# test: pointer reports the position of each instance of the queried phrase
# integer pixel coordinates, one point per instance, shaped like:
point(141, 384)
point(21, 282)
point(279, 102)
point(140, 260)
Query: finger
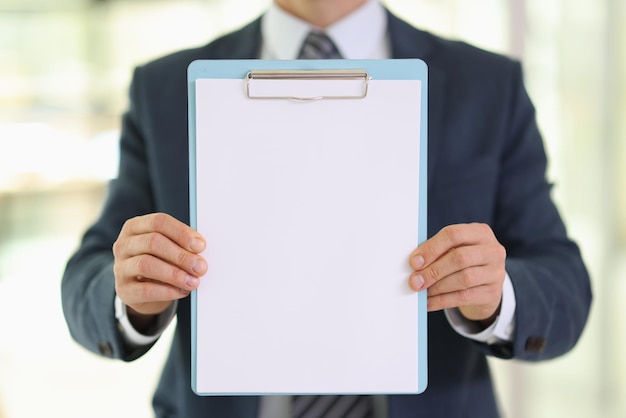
point(473, 296)
point(451, 263)
point(447, 238)
point(179, 232)
point(480, 298)
point(150, 297)
point(146, 266)
point(161, 247)
point(463, 279)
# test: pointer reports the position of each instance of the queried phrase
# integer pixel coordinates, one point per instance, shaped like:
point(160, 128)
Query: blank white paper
point(310, 212)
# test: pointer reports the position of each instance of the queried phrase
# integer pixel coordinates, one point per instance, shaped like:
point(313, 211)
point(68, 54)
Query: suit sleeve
point(551, 283)
point(88, 284)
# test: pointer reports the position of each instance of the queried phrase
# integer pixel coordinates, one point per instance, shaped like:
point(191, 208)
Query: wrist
point(131, 335)
point(487, 322)
point(482, 319)
point(140, 322)
point(501, 328)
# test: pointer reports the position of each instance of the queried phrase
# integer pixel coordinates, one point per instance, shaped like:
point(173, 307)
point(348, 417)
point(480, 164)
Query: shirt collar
point(360, 35)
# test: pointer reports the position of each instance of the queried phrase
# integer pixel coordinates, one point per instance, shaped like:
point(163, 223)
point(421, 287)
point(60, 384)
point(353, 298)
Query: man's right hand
point(157, 261)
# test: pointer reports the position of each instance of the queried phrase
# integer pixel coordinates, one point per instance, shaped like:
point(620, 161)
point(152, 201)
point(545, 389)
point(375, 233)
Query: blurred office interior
point(65, 66)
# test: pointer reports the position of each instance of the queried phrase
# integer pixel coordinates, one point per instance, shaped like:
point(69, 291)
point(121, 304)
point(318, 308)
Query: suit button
point(535, 344)
point(105, 349)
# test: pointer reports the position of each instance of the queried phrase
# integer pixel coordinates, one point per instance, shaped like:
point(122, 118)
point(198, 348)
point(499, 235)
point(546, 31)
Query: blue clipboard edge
point(395, 69)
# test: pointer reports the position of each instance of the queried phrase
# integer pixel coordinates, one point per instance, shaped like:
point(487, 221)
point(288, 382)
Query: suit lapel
point(408, 42)
point(249, 44)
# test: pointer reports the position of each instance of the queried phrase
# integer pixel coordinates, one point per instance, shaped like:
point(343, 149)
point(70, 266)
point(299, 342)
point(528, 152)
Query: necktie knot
point(318, 45)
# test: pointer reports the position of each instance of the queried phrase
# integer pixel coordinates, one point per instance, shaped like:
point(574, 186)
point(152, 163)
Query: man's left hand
point(463, 267)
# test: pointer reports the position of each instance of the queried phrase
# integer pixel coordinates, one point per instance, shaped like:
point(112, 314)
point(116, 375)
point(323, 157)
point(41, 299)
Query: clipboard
point(308, 182)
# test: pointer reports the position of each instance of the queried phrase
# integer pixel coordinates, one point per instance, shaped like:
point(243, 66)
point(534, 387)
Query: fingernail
point(418, 261)
point(197, 245)
point(417, 282)
point(192, 281)
point(199, 266)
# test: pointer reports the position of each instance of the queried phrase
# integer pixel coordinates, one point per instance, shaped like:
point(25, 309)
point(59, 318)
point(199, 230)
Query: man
point(503, 279)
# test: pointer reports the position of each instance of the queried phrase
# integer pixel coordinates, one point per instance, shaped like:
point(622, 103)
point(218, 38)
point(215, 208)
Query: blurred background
point(65, 66)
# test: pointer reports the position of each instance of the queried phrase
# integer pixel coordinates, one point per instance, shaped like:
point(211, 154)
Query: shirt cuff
point(134, 338)
point(502, 328)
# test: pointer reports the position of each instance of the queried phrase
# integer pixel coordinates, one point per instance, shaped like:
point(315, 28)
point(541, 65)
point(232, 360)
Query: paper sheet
point(310, 211)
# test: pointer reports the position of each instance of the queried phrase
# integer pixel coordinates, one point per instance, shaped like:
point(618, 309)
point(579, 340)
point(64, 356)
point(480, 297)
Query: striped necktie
point(318, 45)
point(332, 406)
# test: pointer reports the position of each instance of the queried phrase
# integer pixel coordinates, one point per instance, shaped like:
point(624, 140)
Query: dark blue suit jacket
point(486, 164)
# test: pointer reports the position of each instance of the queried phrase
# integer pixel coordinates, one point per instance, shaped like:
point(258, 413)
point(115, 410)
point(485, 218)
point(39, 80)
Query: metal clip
point(356, 88)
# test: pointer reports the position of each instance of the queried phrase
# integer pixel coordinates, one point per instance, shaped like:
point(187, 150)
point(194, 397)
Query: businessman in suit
point(503, 278)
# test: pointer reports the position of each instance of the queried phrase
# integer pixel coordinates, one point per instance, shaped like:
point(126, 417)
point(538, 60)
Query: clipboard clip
point(301, 84)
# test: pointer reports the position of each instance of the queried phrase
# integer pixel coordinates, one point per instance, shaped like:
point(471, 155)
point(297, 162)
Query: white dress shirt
point(361, 35)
